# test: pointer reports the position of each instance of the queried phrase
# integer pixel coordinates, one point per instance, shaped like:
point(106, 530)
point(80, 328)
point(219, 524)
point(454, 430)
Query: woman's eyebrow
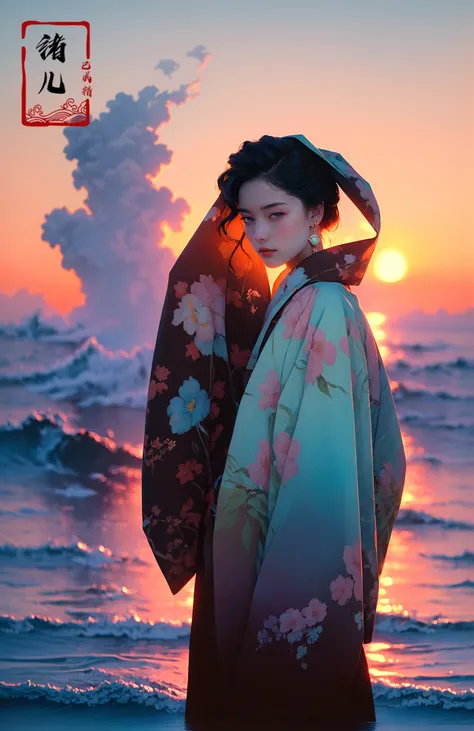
point(262, 208)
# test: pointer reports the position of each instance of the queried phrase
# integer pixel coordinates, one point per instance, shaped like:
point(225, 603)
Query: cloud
point(199, 53)
point(14, 308)
point(113, 244)
point(168, 66)
point(442, 319)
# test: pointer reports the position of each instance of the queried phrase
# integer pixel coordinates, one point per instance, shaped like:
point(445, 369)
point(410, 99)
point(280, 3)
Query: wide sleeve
point(210, 321)
point(389, 453)
point(176, 476)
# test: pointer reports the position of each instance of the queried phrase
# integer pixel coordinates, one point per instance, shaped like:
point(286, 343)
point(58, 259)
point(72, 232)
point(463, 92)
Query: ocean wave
point(131, 627)
point(408, 516)
point(91, 375)
point(405, 393)
point(53, 553)
point(75, 491)
point(468, 584)
point(399, 623)
point(409, 694)
point(24, 512)
point(418, 347)
point(135, 628)
point(36, 327)
point(163, 697)
point(444, 503)
point(94, 594)
point(95, 375)
point(45, 439)
point(465, 557)
point(429, 458)
point(428, 422)
point(458, 364)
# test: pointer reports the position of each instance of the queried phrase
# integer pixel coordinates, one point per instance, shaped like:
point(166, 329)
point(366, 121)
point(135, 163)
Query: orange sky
point(403, 120)
point(428, 285)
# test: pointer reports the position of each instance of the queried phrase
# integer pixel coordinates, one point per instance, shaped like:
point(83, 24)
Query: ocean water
point(89, 631)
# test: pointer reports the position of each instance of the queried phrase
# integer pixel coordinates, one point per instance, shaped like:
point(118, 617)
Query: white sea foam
point(47, 439)
point(55, 553)
point(92, 374)
point(163, 697)
point(132, 627)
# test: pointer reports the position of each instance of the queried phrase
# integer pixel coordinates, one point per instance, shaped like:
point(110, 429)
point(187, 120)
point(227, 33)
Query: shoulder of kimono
point(334, 295)
point(333, 300)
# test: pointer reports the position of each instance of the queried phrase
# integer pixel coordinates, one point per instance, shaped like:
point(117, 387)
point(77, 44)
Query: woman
point(273, 460)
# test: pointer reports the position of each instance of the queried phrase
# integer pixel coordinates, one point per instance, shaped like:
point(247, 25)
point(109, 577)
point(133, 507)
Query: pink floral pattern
point(320, 351)
point(352, 331)
point(341, 589)
point(300, 628)
point(286, 453)
point(201, 311)
point(344, 587)
point(259, 471)
point(344, 344)
point(270, 388)
point(297, 313)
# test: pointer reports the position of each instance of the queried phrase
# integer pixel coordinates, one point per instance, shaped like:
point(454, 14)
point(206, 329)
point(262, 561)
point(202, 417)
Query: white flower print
point(201, 312)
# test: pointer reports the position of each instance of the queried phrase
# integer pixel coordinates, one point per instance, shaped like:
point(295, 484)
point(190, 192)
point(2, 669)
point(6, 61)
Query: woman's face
point(285, 227)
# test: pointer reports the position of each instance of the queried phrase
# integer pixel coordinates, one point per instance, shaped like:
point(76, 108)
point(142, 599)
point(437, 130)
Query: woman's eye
point(275, 213)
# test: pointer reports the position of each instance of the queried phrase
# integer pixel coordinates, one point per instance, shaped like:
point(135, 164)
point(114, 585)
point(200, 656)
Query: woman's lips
point(267, 252)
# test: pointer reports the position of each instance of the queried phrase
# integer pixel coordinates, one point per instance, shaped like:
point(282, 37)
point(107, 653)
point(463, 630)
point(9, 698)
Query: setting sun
point(390, 265)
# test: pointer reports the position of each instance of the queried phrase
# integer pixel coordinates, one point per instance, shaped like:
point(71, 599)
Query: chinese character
point(48, 47)
point(61, 89)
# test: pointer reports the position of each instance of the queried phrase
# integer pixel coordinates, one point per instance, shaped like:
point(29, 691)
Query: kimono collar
point(345, 263)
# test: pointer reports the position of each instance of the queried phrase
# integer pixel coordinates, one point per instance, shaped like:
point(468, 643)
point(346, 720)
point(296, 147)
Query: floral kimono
point(278, 487)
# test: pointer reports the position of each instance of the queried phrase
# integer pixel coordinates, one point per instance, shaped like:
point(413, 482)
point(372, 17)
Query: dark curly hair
point(286, 163)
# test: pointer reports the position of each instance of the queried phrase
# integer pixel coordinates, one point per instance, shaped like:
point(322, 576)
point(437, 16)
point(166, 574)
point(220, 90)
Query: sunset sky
point(388, 85)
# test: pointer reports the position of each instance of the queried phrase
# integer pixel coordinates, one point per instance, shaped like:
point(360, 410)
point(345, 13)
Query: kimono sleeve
point(389, 454)
point(176, 478)
point(210, 320)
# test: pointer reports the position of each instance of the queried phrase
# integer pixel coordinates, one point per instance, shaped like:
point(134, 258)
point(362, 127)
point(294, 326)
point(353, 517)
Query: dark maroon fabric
point(179, 470)
point(215, 698)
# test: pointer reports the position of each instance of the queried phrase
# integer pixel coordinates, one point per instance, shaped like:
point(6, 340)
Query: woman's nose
point(260, 234)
